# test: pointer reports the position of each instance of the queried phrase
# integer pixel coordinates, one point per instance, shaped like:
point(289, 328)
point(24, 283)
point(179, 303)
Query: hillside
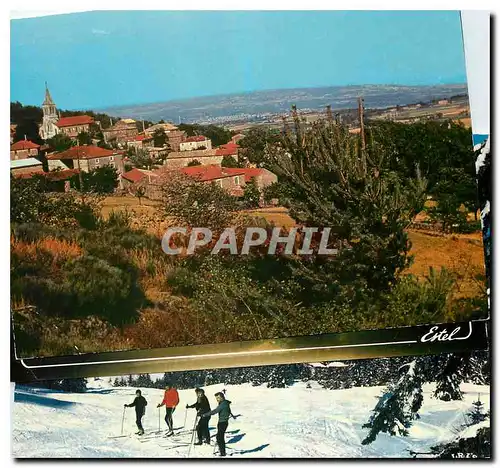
point(296, 422)
point(259, 103)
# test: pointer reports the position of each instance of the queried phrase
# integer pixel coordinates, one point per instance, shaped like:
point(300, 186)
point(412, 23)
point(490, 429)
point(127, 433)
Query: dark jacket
point(140, 404)
point(224, 411)
point(202, 405)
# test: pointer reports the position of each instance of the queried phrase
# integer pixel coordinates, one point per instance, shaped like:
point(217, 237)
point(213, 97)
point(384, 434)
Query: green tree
point(229, 161)
point(251, 194)
point(159, 138)
point(194, 162)
point(193, 204)
point(142, 159)
point(331, 182)
point(84, 138)
point(60, 142)
point(398, 406)
point(139, 191)
point(27, 119)
point(101, 180)
point(256, 145)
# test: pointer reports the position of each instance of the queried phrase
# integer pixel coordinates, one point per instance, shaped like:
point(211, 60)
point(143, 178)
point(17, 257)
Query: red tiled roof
point(228, 149)
point(196, 138)
point(230, 145)
point(134, 175)
point(84, 152)
point(23, 145)
point(75, 120)
point(249, 172)
point(209, 172)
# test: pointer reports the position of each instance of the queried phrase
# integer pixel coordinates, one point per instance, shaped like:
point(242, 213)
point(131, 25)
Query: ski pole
point(192, 437)
point(123, 418)
point(159, 430)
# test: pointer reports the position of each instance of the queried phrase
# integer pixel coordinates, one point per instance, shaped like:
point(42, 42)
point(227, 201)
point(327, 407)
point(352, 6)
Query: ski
point(174, 446)
point(178, 433)
point(143, 440)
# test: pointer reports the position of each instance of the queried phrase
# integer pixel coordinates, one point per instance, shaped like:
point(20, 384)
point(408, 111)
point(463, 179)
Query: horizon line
point(117, 106)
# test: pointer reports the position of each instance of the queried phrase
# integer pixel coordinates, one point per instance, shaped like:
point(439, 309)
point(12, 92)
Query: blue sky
point(99, 59)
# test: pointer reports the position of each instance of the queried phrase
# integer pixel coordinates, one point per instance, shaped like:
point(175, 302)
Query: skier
point(140, 404)
point(170, 400)
point(202, 406)
point(224, 411)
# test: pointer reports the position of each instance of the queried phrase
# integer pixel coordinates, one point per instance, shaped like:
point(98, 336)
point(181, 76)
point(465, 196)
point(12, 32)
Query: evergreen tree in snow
point(281, 377)
point(77, 385)
point(143, 380)
point(477, 369)
point(477, 415)
point(448, 381)
point(398, 406)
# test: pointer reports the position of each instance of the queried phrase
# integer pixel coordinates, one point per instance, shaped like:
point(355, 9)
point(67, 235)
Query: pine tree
point(251, 194)
point(448, 381)
point(477, 415)
point(398, 406)
point(279, 377)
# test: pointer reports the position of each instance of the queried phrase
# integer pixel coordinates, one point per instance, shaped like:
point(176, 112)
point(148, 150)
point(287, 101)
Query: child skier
point(224, 411)
point(202, 406)
point(140, 404)
point(170, 400)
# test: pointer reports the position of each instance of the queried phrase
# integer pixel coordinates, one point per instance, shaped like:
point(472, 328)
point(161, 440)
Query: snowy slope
point(290, 422)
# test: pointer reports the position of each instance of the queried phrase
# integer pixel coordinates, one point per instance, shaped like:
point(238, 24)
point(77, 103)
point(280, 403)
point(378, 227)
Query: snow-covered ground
point(291, 422)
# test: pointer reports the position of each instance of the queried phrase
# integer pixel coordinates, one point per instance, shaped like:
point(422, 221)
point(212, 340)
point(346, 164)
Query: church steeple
point(48, 128)
point(48, 98)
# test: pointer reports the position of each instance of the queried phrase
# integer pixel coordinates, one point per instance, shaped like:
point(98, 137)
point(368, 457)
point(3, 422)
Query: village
point(161, 148)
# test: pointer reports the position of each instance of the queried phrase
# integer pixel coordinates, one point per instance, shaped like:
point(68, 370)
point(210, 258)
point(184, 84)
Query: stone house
point(203, 174)
point(86, 158)
point(73, 126)
point(195, 142)
point(177, 159)
point(229, 149)
point(23, 149)
point(262, 176)
point(121, 132)
point(25, 167)
point(140, 141)
point(174, 136)
point(135, 176)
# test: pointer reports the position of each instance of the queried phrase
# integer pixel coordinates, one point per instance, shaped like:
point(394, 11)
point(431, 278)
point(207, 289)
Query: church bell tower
point(48, 128)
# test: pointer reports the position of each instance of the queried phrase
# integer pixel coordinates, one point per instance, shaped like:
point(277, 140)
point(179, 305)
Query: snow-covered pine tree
point(477, 415)
point(449, 379)
point(280, 377)
point(398, 406)
point(477, 369)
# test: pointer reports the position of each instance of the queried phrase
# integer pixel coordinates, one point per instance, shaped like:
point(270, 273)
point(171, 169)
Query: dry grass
point(60, 250)
point(462, 255)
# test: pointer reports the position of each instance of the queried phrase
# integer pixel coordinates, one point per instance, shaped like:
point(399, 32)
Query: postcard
point(216, 181)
